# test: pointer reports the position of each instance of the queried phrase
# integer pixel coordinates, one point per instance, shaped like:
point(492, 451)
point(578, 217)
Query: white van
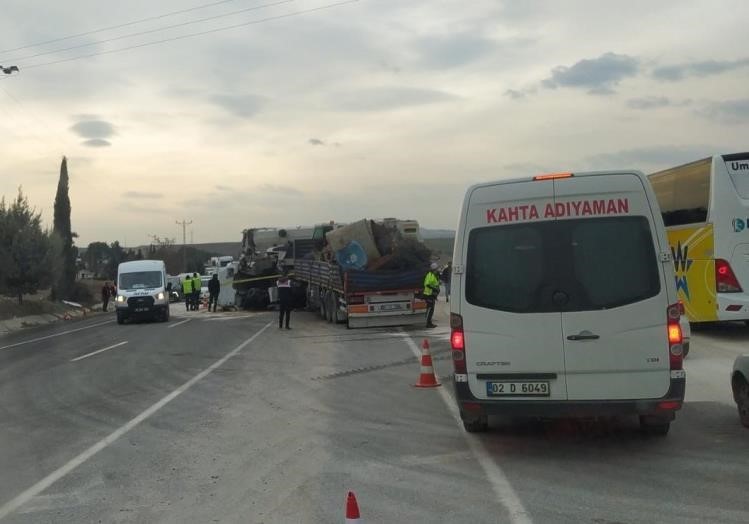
point(565, 302)
point(141, 290)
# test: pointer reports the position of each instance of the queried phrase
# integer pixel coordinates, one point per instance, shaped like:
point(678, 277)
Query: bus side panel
point(692, 248)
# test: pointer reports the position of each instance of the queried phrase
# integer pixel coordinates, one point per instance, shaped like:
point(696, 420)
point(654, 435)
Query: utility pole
point(184, 225)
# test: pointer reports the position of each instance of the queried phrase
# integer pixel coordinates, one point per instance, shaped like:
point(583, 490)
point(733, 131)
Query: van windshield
point(140, 280)
point(564, 265)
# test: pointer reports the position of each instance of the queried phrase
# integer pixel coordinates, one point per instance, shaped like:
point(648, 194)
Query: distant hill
point(214, 248)
point(427, 233)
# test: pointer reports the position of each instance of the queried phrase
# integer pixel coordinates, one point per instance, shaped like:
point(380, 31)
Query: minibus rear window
point(562, 265)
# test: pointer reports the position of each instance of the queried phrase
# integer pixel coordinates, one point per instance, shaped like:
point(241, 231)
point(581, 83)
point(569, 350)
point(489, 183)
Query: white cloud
point(427, 98)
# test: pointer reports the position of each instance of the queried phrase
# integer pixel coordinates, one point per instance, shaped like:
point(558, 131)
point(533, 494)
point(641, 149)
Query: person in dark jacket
point(284, 300)
point(446, 278)
point(214, 288)
point(105, 294)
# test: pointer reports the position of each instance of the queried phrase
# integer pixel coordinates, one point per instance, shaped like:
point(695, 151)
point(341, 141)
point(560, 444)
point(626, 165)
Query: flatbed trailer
point(362, 298)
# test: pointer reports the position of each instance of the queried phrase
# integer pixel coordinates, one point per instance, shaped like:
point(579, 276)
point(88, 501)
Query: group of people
point(432, 288)
point(108, 290)
point(191, 287)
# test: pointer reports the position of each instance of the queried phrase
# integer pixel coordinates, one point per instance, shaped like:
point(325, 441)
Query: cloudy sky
point(373, 108)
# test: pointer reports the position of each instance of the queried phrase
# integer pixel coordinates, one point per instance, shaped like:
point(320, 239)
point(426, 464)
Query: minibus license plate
point(518, 389)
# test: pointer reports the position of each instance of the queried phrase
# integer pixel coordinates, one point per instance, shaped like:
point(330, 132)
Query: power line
point(118, 26)
point(190, 35)
point(156, 30)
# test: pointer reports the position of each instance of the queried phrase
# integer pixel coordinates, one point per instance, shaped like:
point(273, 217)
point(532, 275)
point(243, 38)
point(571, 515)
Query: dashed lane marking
point(76, 359)
point(22, 498)
point(54, 335)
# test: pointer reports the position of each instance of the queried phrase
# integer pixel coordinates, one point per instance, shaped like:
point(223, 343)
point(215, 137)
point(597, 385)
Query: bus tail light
point(458, 343)
point(675, 337)
point(725, 279)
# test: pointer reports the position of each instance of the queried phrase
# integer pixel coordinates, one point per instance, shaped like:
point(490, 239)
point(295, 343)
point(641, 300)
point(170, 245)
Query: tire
point(120, 318)
point(165, 315)
point(741, 394)
point(476, 425)
point(654, 427)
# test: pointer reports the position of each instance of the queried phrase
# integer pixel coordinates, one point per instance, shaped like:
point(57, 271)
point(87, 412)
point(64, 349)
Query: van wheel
point(476, 425)
point(165, 315)
point(654, 427)
point(741, 394)
point(120, 318)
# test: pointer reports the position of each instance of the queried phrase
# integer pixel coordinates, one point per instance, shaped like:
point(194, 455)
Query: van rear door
point(614, 318)
point(513, 333)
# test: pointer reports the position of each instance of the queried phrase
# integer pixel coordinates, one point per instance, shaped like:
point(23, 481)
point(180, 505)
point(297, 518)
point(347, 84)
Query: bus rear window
point(683, 192)
point(564, 265)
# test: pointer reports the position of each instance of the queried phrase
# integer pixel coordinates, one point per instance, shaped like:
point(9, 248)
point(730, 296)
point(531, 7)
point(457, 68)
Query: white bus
point(705, 207)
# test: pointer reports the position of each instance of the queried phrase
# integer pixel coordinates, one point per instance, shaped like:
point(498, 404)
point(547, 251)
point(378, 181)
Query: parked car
point(740, 387)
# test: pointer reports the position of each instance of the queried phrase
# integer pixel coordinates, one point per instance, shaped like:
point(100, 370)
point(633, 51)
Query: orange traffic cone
point(427, 378)
point(352, 509)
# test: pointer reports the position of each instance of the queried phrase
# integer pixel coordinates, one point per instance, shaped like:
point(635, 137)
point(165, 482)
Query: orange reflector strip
point(552, 176)
point(358, 308)
point(669, 405)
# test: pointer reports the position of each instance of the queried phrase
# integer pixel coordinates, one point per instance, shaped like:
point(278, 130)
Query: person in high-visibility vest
point(187, 291)
point(431, 290)
point(196, 285)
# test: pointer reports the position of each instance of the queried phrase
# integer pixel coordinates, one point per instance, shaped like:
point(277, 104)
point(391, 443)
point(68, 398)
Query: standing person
point(431, 291)
point(196, 285)
point(187, 291)
point(105, 294)
point(113, 290)
point(284, 300)
point(446, 278)
point(214, 288)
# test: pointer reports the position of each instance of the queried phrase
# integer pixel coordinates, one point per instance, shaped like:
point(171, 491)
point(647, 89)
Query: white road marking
point(55, 335)
point(76, 359)
point(24, 497)
point(170, 326)
point(501, 485)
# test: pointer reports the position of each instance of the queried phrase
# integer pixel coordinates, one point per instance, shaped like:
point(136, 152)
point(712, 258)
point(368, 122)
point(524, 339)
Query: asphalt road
point(224, 418)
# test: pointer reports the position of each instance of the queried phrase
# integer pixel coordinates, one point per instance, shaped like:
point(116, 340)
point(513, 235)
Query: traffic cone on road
point(427, 378)
point(352, 509)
